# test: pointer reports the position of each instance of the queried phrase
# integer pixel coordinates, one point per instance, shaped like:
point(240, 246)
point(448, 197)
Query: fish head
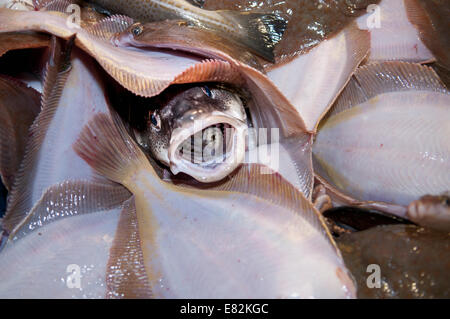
point(126, 38)
point(431, 211)
point(138, 32)
point(200, 131)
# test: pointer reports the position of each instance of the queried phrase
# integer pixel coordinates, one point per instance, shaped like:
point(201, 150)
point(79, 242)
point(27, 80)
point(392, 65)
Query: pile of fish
point(214, 149)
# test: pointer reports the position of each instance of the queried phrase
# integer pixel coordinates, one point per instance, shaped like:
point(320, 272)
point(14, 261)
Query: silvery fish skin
point(384, 143)
point(73, 92)
point(199, 131)
point(37, 265)
point(149, 72)
point(244, 238)
point(259, 32)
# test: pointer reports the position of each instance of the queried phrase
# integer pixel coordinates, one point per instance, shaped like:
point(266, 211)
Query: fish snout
point(209, 147)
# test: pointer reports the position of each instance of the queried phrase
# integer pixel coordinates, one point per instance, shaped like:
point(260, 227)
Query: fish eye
point(155, 121)
point(207, 91)
point(137, 30)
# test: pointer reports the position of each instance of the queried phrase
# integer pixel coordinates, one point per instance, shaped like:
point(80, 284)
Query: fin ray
point(19, 202)
point(126, 276)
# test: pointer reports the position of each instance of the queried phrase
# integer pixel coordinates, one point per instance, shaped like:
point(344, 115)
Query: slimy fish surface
point(380, 141)
point(182, 36)
point(309, 21)
point(246, 238)
point(259, 32)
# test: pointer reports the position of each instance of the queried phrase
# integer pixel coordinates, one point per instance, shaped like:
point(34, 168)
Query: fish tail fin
point(263, 31)
point(106, 146)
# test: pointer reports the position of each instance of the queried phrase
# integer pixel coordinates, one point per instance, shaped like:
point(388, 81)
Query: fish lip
point(235, 155)
point(123, 39)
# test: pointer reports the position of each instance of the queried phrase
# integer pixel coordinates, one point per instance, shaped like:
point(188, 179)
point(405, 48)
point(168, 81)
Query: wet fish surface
point(430, 17)
point(258, 32)
point(362, 140)
point(235, 226)
point(185, 37)
point(309, 21)
point(393, 35)
point(413, 261)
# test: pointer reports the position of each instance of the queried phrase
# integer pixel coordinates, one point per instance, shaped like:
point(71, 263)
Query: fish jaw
point(209, 170)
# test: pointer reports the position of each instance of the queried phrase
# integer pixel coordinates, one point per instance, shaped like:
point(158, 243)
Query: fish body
point(258, 32)
point(185, 37)
point(40, 264)
point(72, 93)
point(393, 35)
point(149, 72)
point(413, 261)
point(430, 17)
point(431, 211)
point(245, 239)
point(312, 81)
point(200, 131)
point(386, 140)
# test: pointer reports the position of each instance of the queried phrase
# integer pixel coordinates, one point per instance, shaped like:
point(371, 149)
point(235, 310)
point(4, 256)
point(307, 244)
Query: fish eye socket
point(207, 91)
point(137, 30)
point(155, 121)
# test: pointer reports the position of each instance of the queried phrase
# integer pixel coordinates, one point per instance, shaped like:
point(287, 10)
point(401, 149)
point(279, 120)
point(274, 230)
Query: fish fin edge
point(263, 31)
point(126, 276)
point(106, 146)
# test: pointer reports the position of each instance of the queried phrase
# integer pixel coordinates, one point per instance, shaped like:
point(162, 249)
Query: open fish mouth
point(208, 149)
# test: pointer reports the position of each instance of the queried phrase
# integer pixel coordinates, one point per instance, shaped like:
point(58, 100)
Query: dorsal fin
point(378, 78)
point(107, 27)
point(126, 276)
point(56, 73)
point(70, 198)
point(56, 5)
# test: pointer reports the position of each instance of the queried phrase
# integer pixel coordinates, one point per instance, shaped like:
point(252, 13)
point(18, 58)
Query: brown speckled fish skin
point(182, 36)
point(259, 32)
point(431, 18)
point(414, 261)
point(309, 21)
point(22, 40)
point(19, 105)
point(444, 74)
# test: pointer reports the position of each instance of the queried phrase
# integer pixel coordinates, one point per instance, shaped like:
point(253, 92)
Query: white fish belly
point(82, 98)
point(209, 247)
point(36, 266)
point(393, 148)
point(393, 37)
